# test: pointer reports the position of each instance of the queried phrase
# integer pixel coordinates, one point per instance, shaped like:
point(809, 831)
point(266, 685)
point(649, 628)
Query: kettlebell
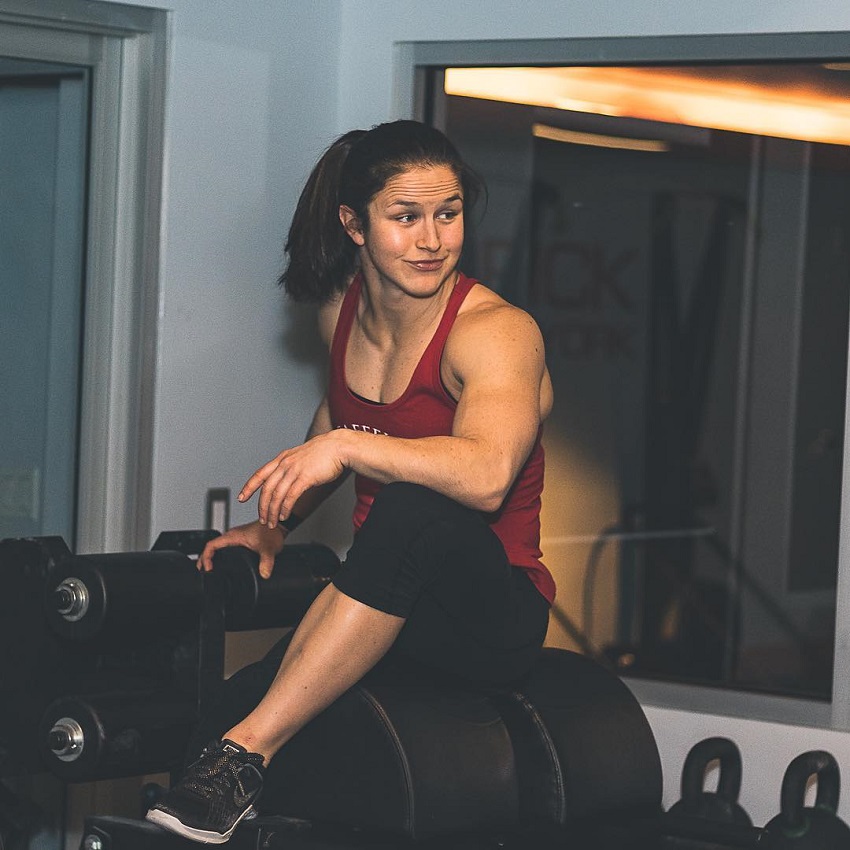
point(721, 805)
point(799, 827)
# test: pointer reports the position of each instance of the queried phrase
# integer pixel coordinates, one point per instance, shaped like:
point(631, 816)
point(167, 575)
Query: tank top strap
point(347, 312)
point(456, 299)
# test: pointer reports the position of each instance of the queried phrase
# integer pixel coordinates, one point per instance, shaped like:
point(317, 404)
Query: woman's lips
point(426, 265)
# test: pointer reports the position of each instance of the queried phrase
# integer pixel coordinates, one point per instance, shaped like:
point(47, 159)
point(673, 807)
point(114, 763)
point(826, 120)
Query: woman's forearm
point(470, 471)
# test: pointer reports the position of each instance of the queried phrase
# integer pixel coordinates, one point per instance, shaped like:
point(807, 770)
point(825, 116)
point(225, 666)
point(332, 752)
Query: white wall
point(372, 29)
point(251, 100)
point(256, 90)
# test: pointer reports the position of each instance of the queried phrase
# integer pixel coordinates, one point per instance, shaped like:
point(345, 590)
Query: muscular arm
point(498, 361)
point(495, 356)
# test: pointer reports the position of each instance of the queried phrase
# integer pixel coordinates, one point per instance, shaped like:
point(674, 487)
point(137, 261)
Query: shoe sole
point(204, 836)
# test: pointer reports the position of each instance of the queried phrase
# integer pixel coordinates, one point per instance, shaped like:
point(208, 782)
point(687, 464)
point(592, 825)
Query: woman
point(436, 396)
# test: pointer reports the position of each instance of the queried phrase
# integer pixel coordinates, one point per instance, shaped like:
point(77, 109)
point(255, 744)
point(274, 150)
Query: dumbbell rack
point(137, 644)
point(109, 660)
point(121, 664)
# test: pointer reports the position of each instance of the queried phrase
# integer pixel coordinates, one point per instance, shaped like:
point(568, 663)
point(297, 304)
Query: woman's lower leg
point(335, 645)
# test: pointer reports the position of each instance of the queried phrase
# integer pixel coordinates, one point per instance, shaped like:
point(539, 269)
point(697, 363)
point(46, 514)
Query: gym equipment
point(701, 834)
point(20, 819)
point(416, 756)
point(190, 542)
point(35, 665)
point(117, 734)
point(720, 805)
point(123, 596)
point(114, 596)
point(800, 827)
point(406, 757)
point(140, 637)
point(252, 602)
point(143, 640)
point(279, 833)
point(583, 746)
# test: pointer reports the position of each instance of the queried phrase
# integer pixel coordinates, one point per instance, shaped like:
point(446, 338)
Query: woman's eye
point(406, 218)
point(448, 215)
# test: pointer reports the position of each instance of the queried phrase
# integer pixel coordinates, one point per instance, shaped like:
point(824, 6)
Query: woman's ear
point(351, 224)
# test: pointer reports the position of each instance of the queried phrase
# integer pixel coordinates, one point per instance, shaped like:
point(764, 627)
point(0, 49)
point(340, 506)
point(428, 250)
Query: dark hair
point(320, 254)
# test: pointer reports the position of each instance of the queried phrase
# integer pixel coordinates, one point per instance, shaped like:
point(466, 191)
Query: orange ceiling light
point(673, 96)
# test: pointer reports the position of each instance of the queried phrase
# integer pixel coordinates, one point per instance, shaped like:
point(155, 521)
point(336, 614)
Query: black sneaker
point(216, 793)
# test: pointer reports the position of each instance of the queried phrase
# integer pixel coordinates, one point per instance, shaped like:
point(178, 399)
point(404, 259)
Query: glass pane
point(43, 127)
point(692, 282)
point(43, 142)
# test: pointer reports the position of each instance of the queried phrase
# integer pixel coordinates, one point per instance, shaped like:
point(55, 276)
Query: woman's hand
point(283, 480)
point(266, 542)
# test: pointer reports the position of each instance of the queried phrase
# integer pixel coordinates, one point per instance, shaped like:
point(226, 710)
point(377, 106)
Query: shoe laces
point(215, 770)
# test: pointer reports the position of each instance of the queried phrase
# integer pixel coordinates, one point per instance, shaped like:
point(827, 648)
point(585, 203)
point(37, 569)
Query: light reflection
point(598, 140)
point(666, 95)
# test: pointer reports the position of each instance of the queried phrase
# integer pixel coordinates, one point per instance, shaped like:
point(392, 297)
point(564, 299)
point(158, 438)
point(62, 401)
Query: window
point(84, 468)
point(676, 219)
point(44, 119)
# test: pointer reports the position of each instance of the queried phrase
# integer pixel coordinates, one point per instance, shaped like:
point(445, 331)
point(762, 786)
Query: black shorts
point(469, 613)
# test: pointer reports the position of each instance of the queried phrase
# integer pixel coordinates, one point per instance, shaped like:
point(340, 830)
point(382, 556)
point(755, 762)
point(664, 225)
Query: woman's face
point(414, 234)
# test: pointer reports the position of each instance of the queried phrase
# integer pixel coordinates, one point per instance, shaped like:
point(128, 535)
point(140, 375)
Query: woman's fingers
point(258, 479)
point(282, 507)
point(282, 495)
point(268, 493)
point(283, 480)
point(253, 536)
point(266, 565)
point(205, 559)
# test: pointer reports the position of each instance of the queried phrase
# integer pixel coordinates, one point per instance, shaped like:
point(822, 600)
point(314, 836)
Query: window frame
point(125, 50)
point(415, 64)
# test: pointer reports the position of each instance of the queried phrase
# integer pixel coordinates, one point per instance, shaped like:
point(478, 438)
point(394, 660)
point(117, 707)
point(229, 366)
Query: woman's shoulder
point(488, 325)
point(483, 307)
point(491, 334)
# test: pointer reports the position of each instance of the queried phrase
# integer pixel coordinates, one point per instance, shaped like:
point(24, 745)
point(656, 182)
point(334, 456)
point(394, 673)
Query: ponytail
point(321, 255)
point(352, 171)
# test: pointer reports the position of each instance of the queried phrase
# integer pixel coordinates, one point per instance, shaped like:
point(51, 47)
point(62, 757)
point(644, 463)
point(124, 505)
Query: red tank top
point(425, 409)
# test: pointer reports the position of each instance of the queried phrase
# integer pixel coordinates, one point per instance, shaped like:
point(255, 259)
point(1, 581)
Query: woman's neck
point(389, 312)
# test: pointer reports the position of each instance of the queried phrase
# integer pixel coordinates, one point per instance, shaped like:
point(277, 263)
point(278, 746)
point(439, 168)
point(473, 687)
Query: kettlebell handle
point(824, 766)
point(698, 759)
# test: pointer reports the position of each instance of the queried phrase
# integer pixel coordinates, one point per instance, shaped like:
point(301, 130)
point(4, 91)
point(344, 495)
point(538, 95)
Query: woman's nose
point(428, 238)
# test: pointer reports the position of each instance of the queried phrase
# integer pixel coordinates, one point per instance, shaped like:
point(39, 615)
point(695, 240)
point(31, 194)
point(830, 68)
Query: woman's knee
point(402, 499)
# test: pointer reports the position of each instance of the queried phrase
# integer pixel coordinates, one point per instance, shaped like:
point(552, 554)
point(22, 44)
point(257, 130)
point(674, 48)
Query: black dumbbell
point(302, 571)
point(112, 735)
point(126, 595)
point(800, 827)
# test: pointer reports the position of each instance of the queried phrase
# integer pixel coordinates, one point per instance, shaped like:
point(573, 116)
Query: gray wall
point(256, 90)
